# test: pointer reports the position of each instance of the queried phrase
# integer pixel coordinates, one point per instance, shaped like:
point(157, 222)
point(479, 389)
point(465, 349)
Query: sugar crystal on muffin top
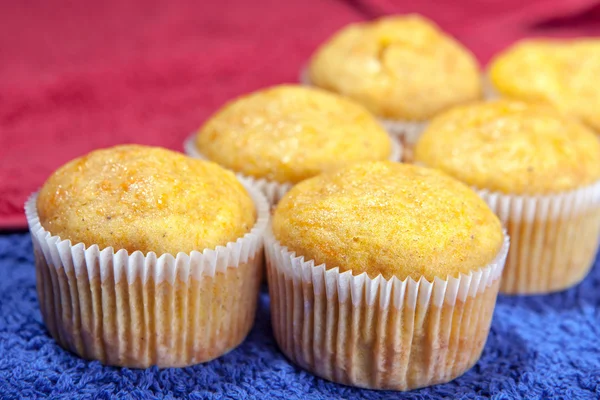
point(391, 219)
point(511, 147)
point(399, 67)
point(563, 73)
point(288, 133)
point(145, 198)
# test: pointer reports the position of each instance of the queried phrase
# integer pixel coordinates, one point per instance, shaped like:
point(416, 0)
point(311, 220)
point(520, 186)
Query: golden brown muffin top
point(563, 73)
point(289, 133)
point(391, 219)
point(401, 67)
point(511, 147)
point(145, 198)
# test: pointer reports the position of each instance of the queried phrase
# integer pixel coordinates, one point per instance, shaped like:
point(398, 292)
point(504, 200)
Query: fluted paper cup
point(489, 91)
point(377, 333)
point(408, 134)
point(554, 238)
point(273, 190)
point(137, 310)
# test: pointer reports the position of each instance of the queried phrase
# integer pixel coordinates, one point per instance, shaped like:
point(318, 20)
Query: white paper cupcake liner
point(139, 310)
point(407, 132)
point(378, 333)
point(489, 91)
point(554, 238)
point(304, 77)
point(272, 190)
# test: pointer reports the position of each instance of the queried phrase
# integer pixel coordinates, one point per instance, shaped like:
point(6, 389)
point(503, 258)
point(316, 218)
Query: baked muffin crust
point(560, 72)
point(401, 67)
point(511, 147)
point(288, 133)
point(145, 198)
point(390, 219)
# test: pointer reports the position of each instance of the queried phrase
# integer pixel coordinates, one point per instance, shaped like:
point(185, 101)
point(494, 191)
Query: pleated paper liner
point(272, 190)
point(407, 132)
point(137, 310)
point(554, 238)
point(376, 333)
point(489, 91)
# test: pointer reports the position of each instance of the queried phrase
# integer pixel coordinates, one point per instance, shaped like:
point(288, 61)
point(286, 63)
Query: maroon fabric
point(83, 75)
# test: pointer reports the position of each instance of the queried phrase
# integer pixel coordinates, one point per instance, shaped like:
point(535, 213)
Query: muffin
point(383, 275)
point(404, 69)
point(284, 134)
point(539, 171)
point(555, 71)
point(147, 257)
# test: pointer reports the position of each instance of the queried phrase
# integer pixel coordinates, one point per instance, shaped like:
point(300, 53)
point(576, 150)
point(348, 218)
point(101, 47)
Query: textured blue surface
point(539, 347)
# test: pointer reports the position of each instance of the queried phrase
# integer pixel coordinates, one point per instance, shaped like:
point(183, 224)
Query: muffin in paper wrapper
point(405, 131)
point(137, 310)
point(554, 238)
point(377, 333)
point(273, 190)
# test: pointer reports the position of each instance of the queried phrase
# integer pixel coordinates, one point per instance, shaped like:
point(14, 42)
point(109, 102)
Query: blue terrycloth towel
point(539, 347)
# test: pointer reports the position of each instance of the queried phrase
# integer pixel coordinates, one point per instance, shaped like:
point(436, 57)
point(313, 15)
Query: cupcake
point(404, 69)
point(279, 136)
point(539, 171)
point(558, 72)
point(383, 275)
point(147, 257)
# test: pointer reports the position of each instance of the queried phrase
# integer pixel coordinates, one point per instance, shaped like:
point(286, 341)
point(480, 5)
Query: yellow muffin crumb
point(145, 198)
point(288, 133)
point(563, 73)
point(391, 219)
point(401, 67)
point(511, 147)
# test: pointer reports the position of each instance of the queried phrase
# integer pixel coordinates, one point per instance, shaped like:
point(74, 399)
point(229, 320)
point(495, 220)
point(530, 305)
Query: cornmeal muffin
point(125, 241)
point(404, 69)
point(559, 72)
point(372, 270)
point(285, 134)
point(539, 171)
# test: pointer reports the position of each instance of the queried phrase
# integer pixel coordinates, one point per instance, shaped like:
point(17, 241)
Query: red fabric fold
point(93, 74)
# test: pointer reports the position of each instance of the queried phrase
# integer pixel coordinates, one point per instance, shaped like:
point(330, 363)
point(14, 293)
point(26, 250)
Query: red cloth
point(84, 75)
